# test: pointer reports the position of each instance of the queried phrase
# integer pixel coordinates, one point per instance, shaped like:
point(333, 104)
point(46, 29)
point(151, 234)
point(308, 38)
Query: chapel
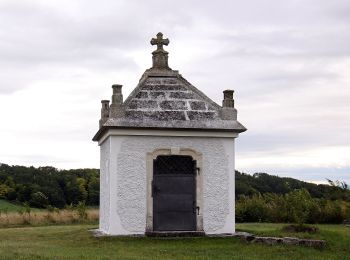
point(167, 156)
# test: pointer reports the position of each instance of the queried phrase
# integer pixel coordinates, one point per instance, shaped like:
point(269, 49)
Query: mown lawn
point(76, 242)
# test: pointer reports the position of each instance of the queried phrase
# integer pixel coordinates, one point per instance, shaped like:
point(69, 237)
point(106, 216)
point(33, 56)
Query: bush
point(298, 205)
point(39, 200)
point(333, 212)
point(81, 210)
point(251, 209)
point(294, 207)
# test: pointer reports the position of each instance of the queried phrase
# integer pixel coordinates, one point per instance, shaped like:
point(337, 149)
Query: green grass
point(76, 242)
point(11, 207)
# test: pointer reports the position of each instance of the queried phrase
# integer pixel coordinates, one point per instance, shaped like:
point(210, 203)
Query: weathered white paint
point(124, 189)
point(109, 219)
point(104, 186)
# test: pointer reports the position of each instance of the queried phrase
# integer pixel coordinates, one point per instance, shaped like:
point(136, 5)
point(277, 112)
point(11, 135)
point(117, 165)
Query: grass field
point(13, 215)
point(76, 242)
point(11, 207)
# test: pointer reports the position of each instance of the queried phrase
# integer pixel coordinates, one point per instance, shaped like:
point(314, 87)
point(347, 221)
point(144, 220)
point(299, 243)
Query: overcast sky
point(288, 62)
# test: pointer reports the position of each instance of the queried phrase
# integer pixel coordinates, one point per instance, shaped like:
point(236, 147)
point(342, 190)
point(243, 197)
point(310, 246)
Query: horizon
point(65, 169)
point(288, 63)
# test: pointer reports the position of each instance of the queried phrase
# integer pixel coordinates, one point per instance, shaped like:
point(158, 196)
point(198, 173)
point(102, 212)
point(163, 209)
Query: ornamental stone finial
point(104, 112)
point(116, 108)
point(228, 99)
point(159, 41)
point(228, 111)
point(160, 56)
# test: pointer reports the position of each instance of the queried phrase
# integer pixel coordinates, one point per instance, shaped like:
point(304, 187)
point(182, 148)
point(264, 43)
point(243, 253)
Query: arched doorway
point(174, 193)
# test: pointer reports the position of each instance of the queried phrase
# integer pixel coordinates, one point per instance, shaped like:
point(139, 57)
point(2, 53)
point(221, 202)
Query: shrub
point(299, 202)
point(294, 207)
point(81, 210)
point(39, 200)
point(251, 209)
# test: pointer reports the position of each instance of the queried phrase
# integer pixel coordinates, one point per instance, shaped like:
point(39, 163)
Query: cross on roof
point(159, 41)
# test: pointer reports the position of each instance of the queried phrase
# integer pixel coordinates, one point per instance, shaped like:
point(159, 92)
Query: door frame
point(199, 182)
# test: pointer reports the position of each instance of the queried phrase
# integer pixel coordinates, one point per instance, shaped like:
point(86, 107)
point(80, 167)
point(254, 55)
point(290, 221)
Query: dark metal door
point(174, 193)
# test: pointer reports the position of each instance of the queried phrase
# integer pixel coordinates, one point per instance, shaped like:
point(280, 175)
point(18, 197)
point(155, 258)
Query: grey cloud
point(39, 160)
point(287, 81)
point(273, 143)
point(11, 81)
point(266, 50)
point(271, 12)
point(36, 35)
point(320, 43)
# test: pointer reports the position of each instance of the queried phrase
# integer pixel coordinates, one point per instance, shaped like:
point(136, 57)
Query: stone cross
point(159, 41)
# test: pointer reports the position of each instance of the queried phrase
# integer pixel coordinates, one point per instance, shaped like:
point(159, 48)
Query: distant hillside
point(264, 183)
point(45, 186)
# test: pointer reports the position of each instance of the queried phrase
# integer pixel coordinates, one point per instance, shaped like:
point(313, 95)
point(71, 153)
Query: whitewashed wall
point(123, 181)
point(104, 186)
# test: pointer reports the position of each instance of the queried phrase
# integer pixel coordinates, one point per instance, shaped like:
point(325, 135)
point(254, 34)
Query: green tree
point(93, 191)
point(4, 189)
point(82, 185)
point(299, 202)
point(39, 200)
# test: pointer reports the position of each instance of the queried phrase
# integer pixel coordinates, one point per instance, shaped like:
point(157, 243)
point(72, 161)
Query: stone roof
point(164, 99)
point(169, 98)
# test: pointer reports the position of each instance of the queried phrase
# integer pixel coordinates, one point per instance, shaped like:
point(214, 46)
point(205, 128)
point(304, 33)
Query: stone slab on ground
point(245, 236)
point(99, 233)
point(316, 243)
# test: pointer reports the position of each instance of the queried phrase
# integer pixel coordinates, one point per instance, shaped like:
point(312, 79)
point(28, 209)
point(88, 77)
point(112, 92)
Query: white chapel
point(167, 156)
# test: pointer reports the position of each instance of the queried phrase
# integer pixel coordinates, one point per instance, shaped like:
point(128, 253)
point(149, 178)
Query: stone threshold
point(175, 233)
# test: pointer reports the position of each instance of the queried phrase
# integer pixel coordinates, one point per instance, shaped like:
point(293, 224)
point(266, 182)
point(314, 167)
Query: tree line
point(259, 197)
point(266, 198)
point(261, 183)
point(293, 207)
point(47, 186)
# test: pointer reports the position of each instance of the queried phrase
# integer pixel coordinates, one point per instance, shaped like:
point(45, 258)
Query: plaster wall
point(124, 181)
point(104, 186)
